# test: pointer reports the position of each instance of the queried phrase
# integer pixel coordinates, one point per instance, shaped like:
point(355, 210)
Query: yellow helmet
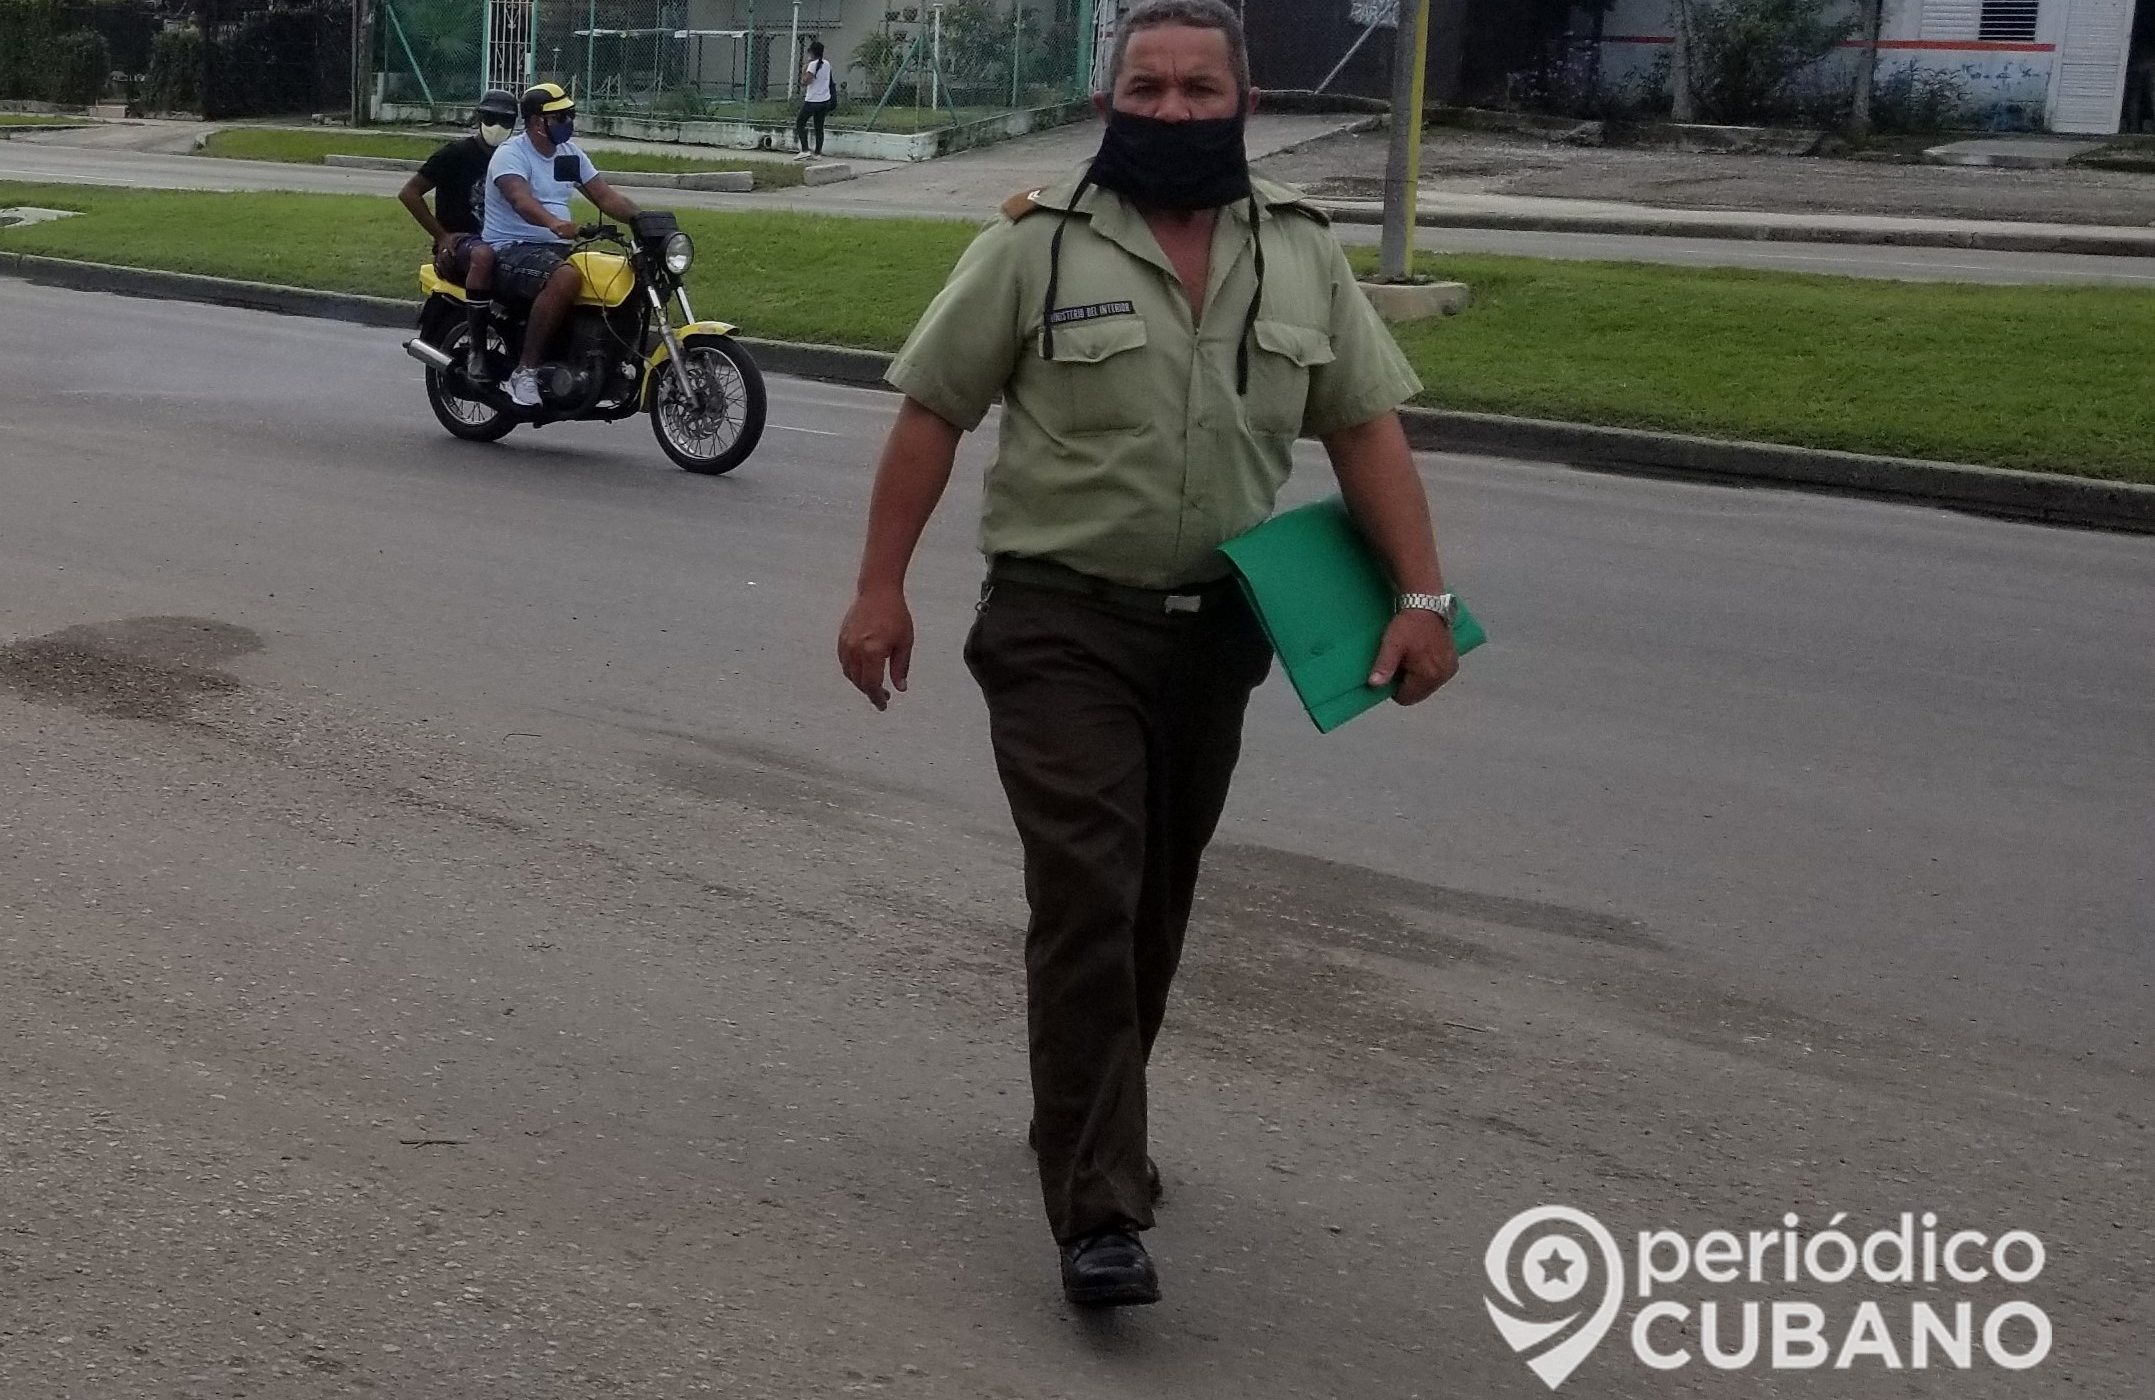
point(549, 99)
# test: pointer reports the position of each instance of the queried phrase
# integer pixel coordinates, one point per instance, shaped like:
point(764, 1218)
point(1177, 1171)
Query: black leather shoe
point(1109, 1270)
point(1155, 1189)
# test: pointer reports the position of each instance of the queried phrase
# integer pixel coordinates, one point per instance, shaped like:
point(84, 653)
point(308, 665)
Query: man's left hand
point(1417, 648)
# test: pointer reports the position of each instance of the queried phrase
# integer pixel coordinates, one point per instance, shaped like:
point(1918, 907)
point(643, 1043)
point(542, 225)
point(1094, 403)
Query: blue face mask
point(560, 129)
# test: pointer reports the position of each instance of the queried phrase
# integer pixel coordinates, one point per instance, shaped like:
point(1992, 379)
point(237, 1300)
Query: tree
point(1683, 96)
point(1869, 21)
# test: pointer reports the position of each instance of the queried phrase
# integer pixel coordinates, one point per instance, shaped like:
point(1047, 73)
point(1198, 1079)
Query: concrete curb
point(1991, 491)
point(1989, 241)
point(212, 291)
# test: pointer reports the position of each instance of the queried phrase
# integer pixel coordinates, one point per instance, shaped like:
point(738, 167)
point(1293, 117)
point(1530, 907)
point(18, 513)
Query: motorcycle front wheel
point(715, 436)
point(468, 419)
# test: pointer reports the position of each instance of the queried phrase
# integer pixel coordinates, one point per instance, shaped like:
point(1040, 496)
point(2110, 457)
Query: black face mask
point(1173, 165)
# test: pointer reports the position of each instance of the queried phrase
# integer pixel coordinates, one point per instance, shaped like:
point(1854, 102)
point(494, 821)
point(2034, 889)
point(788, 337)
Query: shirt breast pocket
point(1280, 369)
point(1099, 375)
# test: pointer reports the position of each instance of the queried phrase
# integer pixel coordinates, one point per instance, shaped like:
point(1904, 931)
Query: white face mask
point(493, 135)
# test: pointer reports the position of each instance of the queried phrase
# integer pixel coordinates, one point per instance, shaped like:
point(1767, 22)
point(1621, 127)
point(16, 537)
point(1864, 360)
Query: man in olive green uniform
point(1161, 328)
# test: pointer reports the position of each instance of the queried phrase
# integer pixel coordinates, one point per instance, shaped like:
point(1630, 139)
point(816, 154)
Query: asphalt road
point(460, 936)
point(887, 197)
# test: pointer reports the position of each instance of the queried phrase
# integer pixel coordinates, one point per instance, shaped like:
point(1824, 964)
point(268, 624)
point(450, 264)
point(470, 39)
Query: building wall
point(1294, 44)
point(840, 24)
point(2006, 84)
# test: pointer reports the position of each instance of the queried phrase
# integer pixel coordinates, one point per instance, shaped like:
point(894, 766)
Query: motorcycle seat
point(432, 283)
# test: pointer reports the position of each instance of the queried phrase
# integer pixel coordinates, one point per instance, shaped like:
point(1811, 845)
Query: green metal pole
point(1087, 40)
point(406, 45)
point(1403, 168)
point(895, 79)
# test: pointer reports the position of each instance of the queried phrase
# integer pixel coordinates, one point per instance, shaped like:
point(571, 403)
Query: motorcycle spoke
point(711, 431)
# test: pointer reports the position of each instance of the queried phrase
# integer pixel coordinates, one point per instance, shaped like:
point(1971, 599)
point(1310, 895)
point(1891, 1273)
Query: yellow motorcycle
point(618, 354)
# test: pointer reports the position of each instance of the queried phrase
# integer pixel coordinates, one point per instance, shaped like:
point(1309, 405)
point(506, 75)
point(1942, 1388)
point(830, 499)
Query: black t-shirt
point(458, 174)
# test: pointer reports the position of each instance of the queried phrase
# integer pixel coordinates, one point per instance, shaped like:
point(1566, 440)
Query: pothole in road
point(138, 668)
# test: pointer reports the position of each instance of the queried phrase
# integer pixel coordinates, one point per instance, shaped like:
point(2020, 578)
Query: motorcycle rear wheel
point(468, 419)
point(719, 437)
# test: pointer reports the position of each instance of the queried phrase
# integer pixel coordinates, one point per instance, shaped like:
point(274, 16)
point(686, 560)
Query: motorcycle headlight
point(679, 252)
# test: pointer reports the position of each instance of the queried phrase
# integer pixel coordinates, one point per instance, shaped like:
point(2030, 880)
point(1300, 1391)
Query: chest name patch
point(1068, 314)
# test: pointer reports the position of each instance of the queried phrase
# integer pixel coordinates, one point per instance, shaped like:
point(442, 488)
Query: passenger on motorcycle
point(457, 176)
point(528, 184)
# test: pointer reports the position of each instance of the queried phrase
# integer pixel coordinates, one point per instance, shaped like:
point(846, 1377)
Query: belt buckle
point(1184, 603)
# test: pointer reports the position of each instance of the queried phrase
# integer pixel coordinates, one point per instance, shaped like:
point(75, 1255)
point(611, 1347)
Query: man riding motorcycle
point(457, 176)
point(528, 183)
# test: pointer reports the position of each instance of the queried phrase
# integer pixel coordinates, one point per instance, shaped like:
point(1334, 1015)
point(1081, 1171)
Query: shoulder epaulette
point(1277, 196)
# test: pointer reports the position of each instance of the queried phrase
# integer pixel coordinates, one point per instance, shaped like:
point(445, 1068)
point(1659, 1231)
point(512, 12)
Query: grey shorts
point(521, 269)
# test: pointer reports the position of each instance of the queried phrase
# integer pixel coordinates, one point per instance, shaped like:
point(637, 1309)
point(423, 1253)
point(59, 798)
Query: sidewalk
point(1529, 213)
point(974, 183)
point(1327, 155)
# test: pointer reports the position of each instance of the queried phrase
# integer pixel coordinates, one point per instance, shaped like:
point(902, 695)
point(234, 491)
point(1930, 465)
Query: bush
point(280, 61)
point(1913, 98)
point(80, 67)
point(1747, 56)
point(1573, 86)
point(174, 82)
point(26, 29)
point(130, 27)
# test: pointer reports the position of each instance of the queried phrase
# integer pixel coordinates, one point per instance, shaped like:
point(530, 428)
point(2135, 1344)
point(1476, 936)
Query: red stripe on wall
point(1926, 45)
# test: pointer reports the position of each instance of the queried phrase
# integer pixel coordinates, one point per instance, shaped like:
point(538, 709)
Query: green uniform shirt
point(1131, 456)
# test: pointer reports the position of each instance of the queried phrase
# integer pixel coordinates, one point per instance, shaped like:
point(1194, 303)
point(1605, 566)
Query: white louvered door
point(2087, 76)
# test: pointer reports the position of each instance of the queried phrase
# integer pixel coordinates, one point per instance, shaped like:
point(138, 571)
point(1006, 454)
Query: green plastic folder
point(1325, 600)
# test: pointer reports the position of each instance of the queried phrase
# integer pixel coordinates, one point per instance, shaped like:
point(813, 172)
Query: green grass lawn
point(2044, 378)
point(308, 148)
point(2041, 378)
point(38, 119)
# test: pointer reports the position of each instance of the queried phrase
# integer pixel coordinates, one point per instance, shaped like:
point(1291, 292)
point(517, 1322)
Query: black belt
point(1060, 578)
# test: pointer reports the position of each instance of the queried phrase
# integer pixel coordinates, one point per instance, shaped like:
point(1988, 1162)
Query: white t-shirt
point(819, 81)
point(518, 157)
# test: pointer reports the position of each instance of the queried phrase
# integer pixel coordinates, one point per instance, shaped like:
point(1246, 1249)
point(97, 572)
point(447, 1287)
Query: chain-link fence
point(903, 68)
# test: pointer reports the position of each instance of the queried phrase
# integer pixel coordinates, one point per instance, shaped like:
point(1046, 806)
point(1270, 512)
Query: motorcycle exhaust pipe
point(427, 355)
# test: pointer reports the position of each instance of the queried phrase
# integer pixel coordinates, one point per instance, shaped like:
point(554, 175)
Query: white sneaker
point(523, 387)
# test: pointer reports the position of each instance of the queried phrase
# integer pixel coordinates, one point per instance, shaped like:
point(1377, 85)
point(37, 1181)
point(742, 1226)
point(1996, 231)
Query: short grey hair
point(1197, 14)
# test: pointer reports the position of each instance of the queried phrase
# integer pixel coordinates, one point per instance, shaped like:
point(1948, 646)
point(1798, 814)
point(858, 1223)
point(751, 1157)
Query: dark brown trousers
point(1116, 731)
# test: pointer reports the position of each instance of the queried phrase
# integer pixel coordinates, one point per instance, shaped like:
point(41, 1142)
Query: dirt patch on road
point(140, 668)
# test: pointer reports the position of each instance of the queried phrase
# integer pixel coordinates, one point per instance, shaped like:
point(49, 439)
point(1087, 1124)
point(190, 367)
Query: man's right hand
point(878, 631)
point(444, 243)
point(564, 229)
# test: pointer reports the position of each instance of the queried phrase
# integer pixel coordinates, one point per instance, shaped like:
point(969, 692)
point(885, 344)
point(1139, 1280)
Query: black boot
point(1109, 1270)
point(477, 312)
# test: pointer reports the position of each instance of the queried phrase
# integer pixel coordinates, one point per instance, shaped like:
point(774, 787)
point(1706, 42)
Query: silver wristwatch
point(1439, 603)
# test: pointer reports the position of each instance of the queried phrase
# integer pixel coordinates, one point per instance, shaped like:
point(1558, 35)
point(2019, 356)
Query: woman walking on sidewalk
point(818, 97)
